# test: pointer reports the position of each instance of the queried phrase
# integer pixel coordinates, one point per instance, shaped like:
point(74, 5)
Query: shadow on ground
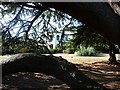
point(102, 72)
point(37, 81)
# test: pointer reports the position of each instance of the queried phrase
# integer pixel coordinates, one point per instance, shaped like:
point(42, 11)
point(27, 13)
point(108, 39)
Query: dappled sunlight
point(103, 73)
point(31, 27)
point(112, 85)
point(97, 68)
point(23, 80)
point(5, 56)
point(82, 59)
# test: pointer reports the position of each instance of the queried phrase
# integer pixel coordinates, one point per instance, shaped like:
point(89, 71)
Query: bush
point(102, 49)
point(56, 50)
point(83, 51)
point(23, 50)
point(68, 51)
point(69, 47)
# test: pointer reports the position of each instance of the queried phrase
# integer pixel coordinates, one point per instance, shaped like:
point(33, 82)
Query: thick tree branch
point(96, 15)
point(115, 6)
point(55, 66)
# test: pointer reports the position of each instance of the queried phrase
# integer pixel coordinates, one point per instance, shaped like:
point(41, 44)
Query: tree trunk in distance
point(112, 59)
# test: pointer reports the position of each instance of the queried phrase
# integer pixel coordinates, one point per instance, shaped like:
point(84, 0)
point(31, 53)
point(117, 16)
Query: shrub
point(83, 51)
point(69, 47)
point(68, 51)
point(23, 50)
point(91, 51)
point(56, 50)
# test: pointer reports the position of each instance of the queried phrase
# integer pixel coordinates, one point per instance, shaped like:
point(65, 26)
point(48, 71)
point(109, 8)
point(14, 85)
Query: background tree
point(30, 23)
point(88, 37)
point(27, 19)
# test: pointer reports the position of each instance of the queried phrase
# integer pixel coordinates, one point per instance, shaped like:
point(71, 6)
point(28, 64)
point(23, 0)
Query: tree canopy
point(26, 21)
point(34, 23)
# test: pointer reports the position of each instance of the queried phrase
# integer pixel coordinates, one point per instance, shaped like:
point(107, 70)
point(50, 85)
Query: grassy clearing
point(83, 59)
point(79, 59)
point(5, 56)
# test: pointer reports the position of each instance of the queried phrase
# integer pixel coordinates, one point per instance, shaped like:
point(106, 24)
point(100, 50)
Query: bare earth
point(96, 68)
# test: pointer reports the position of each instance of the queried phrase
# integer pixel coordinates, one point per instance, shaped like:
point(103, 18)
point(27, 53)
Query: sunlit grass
point(5, 56)
point(79, 59)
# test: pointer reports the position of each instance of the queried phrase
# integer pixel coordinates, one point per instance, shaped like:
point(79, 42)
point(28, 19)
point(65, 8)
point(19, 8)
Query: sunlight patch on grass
point(82, 59)
point(5, 56)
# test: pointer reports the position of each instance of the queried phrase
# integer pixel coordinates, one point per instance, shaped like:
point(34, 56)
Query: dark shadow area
point(106, 74)
point(27, 80)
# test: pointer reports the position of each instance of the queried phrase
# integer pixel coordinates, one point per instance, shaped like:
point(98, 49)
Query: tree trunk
point(50, 65)
point(112, 59)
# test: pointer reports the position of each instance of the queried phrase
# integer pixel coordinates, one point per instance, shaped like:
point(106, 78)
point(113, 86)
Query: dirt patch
point(103, 73)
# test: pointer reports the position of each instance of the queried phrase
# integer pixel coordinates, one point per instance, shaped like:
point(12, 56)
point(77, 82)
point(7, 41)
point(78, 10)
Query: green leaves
point(31, 21)
point(85, 51)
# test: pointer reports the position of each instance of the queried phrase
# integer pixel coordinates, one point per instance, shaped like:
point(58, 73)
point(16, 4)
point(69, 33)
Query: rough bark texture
point(112, 59)
point(55, 66)
point(99, 15)
point(115, 6)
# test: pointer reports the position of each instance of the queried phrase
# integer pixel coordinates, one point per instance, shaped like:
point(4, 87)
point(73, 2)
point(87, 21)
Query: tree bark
point(98, 15)
point(50, 65)
point(112, 52)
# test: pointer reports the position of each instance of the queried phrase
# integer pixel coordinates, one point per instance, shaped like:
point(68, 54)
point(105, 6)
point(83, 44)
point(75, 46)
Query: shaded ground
point(96, 68)
point(37, 81)
point(108, 75)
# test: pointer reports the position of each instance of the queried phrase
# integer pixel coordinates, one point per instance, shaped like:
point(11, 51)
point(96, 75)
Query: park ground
point(96, 68)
